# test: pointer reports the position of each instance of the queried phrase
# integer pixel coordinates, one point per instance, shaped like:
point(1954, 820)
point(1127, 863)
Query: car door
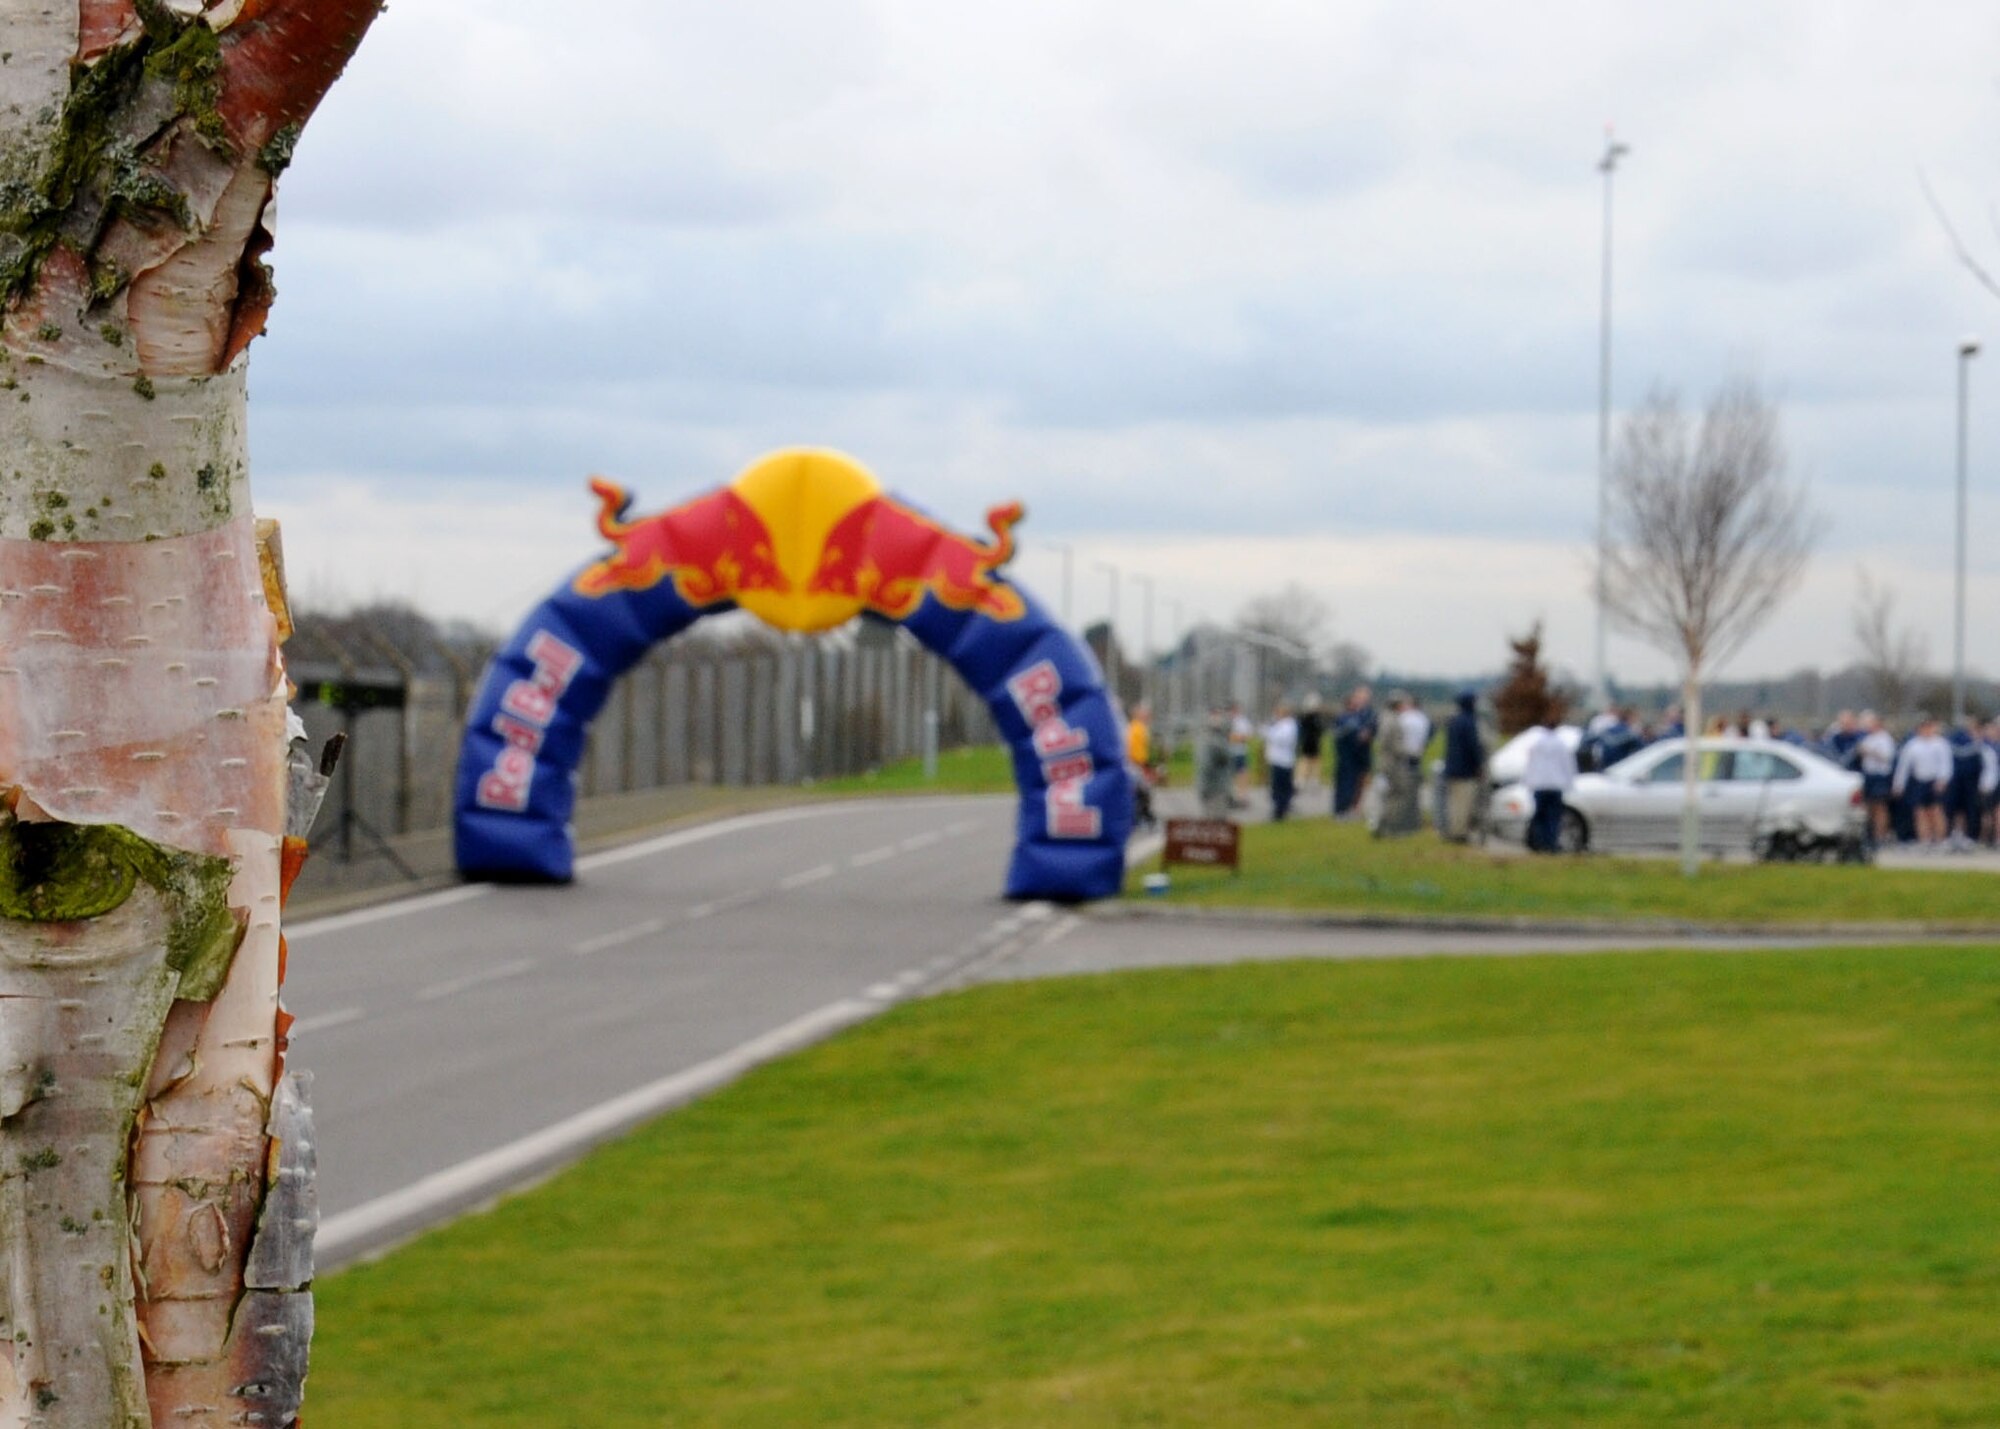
point(1760, 780)
point(1658, 796)
point(1734, 790)
point(1649, 815)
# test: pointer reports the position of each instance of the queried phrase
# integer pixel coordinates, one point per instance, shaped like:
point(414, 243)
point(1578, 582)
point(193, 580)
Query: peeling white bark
point(155, 1252)
point(42, 36)
point(81, 1006)
point(198, 1165)
point(93, 432)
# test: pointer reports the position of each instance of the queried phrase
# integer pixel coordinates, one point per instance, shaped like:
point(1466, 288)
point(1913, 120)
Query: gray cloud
point(1260, 269)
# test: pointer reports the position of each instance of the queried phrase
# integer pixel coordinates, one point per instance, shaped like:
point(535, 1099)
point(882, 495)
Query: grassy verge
point(980, 769)
point(1320, 866)
point(984, 769)
point(1668, 1189)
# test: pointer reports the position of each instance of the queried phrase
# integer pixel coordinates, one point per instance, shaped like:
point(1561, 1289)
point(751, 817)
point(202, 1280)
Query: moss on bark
point(68, 873)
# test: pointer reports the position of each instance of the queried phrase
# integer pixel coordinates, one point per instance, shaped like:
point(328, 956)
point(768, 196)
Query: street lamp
point(1111, 630)
point(1968, 348)
point(1069, 559)
point(1608, 165)
point(1145, 583)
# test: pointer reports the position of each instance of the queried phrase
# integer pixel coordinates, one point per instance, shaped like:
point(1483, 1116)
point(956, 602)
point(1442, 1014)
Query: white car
point(1749, 790)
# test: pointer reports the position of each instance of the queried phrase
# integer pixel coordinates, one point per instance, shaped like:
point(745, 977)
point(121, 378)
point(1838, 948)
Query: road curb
point(1129, 910)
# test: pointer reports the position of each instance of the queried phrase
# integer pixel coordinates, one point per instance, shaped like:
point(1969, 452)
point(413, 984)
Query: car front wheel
point(1575, 836)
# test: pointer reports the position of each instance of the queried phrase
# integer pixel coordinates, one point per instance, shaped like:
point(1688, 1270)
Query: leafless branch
point(1705, 536)
point(1893, 656)
point(1971, 264)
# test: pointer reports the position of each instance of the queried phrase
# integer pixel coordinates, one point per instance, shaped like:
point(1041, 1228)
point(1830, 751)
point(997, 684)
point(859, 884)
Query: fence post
point(628, 741)
point(408, 671)
point(785, 714)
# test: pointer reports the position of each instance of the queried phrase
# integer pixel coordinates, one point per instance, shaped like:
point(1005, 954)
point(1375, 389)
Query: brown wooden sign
point(1212, 843)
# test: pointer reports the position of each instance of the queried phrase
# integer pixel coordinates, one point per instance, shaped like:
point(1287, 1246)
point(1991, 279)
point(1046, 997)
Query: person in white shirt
point(1416, 729)
point(1989, 782)
point(1875, 756)
point(1281, 756)
point(1551, 772)
point(1923, 771)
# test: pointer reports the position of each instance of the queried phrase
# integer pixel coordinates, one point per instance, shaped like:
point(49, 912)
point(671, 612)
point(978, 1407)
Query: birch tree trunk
point(1691, 773)
point(155, 1157)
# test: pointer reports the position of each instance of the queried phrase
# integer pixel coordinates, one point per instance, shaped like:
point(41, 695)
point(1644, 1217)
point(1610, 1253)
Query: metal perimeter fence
point(793, 713)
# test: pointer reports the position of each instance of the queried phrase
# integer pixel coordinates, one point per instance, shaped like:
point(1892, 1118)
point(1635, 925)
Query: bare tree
point(1961, 250)
point(1289, 628)
point(1348, 664)
point(1705, 536)
point(1893, 656)
point(155, 1154)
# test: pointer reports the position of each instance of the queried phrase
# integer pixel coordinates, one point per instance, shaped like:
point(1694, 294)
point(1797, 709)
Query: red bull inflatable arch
point(805, 541)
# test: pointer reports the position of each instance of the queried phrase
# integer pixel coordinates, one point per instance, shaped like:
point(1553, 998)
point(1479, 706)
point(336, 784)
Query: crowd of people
point(1930, 787)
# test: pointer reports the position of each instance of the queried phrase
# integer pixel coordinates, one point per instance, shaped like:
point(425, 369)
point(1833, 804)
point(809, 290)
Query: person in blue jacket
point(1619, 739)
point(1842, 738)
point(1464, 769)
point(1962, 801)
point(1353, 751)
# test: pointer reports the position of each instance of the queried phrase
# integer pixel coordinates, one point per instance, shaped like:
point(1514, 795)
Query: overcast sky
point(1230, 294)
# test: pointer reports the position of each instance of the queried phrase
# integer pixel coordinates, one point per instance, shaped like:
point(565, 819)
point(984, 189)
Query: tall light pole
point(1145, 583)
point(1069, 560)
point(1608, 165)
point(1111, 630)
point(1968, 348)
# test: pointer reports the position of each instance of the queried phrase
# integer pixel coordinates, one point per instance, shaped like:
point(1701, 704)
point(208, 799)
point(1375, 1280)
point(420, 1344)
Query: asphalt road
point(448, 1027)
point(464, 1042)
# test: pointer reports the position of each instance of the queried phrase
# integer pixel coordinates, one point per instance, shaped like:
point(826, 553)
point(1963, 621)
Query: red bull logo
point(889, 557)
point(715, 548)
point(1064, 750)
point(526, 710)
point(805, 540)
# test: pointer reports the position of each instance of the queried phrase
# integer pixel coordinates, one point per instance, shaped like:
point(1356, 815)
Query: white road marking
point(360, 917)
point(917, 841)
point(648, 847)
point(874, 855)
point(446, 897)
point(721, 905)
point(414, 1206)
point(811, 875)
point(377, 1223)
point(309, 1025)
point(478, 979)
point(1064, 926)
point(619, 938)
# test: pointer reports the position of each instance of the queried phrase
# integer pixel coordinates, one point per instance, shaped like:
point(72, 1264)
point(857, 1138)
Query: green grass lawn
point(982, 769)
point(1668, 1189)
point(1318, 865)
point(979, 769)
